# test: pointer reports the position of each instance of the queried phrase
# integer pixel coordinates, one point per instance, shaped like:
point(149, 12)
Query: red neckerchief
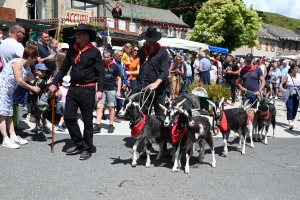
point(152, 52)
point(249, 119)
point(136, 129)
point(259, 116)
point(249, 69)
point(216, 61)
point(223, 126)
point(88, 46)
point(175, 136)
point(108, 65)
point(118, 10)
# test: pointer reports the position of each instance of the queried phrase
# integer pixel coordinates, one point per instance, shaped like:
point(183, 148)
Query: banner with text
point(122, 25)
point(75, 16)
point(110, 23)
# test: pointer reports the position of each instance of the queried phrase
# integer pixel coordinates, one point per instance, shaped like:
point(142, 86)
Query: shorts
point(60, 107)
point(109, 96)
point(274, 84)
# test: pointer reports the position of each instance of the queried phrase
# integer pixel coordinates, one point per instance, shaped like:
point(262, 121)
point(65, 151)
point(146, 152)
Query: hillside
point(282, 21)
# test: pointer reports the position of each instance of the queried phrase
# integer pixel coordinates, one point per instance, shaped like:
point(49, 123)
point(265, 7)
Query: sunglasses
point(135, 50)
point(24, 34)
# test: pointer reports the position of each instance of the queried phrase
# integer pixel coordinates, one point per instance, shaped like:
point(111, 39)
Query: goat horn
point(211, 103)
point(179, 104)
point(131, 98)
point(169, 100)
point(121, 98)
point(127, 95)
point(163, 107)
point(195, 109)
point(221, 102)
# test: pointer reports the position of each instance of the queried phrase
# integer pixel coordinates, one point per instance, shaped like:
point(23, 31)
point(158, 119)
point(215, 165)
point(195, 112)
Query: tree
point(226, 23)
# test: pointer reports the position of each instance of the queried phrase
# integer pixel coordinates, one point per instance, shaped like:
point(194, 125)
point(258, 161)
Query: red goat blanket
point(223, 126)
point(175, 137)
point(136, 129)
point(259, 116)
point(250, 118)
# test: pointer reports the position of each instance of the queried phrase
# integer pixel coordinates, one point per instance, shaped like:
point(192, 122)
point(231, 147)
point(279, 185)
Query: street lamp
point(131, 10)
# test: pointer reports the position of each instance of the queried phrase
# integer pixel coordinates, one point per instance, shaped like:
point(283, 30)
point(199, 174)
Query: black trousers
point(159, 98)
point(84, 99)
point(232, 83)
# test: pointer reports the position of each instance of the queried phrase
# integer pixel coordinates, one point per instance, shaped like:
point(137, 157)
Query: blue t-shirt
point(43, 51)
point(205, 64)
point(251, 80)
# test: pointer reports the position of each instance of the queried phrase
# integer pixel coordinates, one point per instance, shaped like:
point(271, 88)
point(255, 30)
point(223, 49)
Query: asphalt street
point(266, 172)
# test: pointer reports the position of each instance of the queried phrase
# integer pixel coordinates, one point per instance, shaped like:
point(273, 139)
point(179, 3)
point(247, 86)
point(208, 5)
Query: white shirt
point(9, 49)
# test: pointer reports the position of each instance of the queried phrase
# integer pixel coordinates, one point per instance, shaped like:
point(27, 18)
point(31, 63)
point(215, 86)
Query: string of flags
point(199, 6)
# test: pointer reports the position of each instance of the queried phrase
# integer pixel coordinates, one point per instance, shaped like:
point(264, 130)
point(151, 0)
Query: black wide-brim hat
point(151, 35)
point(88, 29)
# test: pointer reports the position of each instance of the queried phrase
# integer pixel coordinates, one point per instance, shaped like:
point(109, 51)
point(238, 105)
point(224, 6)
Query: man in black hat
point(87, 70)
point(249, 80)
point(154, 72)
point(3, 32)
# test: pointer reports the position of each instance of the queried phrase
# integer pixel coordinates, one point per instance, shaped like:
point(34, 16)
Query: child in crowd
point(40, 100)
point(110, 93)
point(275, 76)
point(61, 102)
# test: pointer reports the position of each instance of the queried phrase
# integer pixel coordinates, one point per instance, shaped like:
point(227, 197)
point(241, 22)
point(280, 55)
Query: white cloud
point(289, 8)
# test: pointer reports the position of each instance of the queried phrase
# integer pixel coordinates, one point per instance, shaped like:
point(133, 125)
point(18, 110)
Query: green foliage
point(229, 24)
point(192, 86)
point(282, 21)
point(217, 91)
point(263, 17)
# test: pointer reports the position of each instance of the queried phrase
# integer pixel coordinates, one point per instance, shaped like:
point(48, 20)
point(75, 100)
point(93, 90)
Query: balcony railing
point(102, 21)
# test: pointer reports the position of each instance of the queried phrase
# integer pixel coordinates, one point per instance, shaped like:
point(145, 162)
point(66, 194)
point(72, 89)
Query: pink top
point(64, 91)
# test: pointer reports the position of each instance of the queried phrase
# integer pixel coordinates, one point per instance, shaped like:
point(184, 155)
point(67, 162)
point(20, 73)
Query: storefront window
point(86, 6)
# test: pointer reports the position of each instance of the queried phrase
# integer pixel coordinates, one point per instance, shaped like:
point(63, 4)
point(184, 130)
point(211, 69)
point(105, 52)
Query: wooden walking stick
point(52, 108)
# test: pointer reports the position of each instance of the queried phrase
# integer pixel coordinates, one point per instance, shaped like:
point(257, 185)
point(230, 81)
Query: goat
point(150, 129)
point(264, 116)
point(190, 129)
point(234, 119)
point(250, 112)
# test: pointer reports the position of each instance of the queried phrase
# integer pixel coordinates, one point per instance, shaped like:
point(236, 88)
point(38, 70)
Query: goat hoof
point(213, 165)
point(175, 170)
point(239, 147)
point(225, 154)
point(133, 164)
point(243, 152)
point(147, 165)
point(252, 146)
point(266, 143)
point(187, 171)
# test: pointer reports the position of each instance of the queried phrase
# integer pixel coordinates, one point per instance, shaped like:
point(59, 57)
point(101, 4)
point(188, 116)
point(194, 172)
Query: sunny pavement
point(266, 172)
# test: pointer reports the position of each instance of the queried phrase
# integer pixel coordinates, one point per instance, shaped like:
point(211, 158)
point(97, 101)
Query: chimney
point(298, 31)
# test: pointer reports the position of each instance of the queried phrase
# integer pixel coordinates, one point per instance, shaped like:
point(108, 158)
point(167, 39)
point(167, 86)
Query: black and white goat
point(251, 115)
point(190, 129)
point(234, 119)
point(264, 117)
point(148, 129)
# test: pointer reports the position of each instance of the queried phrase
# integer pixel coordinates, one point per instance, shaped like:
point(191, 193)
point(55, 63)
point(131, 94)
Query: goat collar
point(175, 135)
point(223, 126)
point(264, 115)
point(250, 119)
point(137, 128)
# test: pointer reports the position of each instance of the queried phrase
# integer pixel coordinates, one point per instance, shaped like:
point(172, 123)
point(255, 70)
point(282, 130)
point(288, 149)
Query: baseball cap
point(249, 56)
point(41, 66)
point(64, 46)
point(4, 27)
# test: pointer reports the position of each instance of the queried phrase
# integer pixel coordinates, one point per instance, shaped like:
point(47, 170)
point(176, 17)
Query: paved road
point(266, 172)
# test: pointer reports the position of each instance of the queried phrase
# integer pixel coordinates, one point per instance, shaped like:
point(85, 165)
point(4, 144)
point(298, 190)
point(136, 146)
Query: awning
point(29, 24)
point(218, 49)
point(181, 44)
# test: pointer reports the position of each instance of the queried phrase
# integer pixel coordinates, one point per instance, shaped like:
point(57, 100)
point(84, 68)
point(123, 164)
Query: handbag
point(297, 92)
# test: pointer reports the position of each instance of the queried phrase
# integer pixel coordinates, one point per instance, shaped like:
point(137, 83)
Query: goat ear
point(267, 96)
point(211, 103)
point(245, 105)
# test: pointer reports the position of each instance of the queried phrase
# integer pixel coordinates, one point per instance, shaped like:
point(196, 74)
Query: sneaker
point(276, 97)
point(97, 128)
point(47, 130)
point(232, 103)
point(60, 127)
point(19, 140)
point(27, 118)
point(111, 129)
point(271, 97)
point(117, 120)
point(73, 150)
point(39, 133)
point(291, 126)
point(10, 144)
point(64, 126)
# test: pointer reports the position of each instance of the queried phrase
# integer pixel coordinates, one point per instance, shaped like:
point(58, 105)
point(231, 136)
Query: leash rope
point(144, 101)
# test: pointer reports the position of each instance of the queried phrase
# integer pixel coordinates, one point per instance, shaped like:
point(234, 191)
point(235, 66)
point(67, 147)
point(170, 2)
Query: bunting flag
point(199, 6)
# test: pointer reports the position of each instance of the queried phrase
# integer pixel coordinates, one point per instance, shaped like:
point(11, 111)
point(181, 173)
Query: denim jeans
point(252, 98)
point(292, 107)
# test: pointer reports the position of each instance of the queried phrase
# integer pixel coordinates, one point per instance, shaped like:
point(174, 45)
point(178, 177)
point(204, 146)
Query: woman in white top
point(275, 76)
point(292, 84)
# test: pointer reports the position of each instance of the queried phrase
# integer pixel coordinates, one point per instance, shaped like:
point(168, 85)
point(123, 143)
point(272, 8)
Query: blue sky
point(289, 8)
